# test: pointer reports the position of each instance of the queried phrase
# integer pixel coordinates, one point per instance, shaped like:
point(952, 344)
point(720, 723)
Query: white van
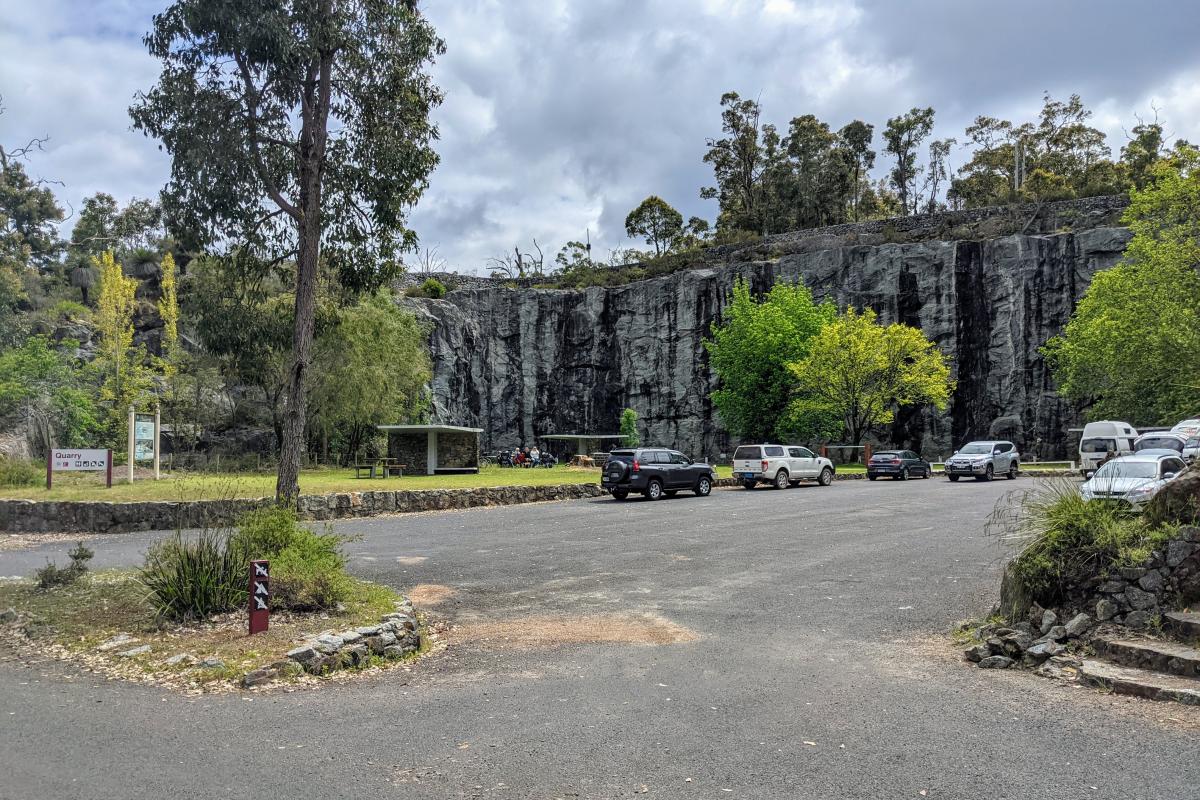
point(1101, 438)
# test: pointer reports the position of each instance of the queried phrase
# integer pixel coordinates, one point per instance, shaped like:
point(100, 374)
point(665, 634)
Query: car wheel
point(703, 487)
point(620, 494)
point(904, 474)
point(826, 477)
point(1012, 471)
point(989, 473)
point(749, 484)
point(953, 478)
point(781, 479)
point(654, 490)
point(871, 477)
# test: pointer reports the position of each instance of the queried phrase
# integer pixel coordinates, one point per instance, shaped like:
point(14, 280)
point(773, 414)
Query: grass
point(79, 617)
point(202, 486)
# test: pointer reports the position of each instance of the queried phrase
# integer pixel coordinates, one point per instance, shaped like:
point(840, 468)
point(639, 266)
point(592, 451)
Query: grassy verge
point(72, 622)
point(207, 486)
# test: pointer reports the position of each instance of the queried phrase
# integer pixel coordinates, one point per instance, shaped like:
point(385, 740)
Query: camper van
point(1101, 438)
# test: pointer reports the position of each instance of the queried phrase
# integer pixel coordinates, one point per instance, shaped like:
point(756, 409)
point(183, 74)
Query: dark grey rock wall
point(523, 362)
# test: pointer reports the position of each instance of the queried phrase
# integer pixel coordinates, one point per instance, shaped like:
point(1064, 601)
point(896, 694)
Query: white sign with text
point(64, 460)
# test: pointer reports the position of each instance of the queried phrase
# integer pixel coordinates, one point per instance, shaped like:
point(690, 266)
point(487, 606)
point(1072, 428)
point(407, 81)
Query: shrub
point(430, 287)
point(1064, 540)
point(51, 575)
point(308, 570)
point(194, 577)
point(16, 473)
point(197, 578)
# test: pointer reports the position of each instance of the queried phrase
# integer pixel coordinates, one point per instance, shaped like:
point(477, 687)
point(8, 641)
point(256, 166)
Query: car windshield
point(1159, 443)
point(976, 449)
point(1097, 445)
point(748, 452)
point(1115, 470)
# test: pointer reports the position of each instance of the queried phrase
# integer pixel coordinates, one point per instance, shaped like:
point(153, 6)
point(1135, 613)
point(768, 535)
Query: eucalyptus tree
point(299, 130)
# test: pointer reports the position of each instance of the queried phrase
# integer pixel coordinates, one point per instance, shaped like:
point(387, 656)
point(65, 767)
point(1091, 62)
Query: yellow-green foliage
point(168, 305)
point(863, 371)
point(126, 379)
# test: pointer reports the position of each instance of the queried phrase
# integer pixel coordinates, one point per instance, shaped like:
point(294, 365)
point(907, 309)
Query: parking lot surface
point(754, 644)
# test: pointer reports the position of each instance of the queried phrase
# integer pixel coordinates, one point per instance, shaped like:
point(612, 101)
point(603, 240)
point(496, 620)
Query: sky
point(562, 115)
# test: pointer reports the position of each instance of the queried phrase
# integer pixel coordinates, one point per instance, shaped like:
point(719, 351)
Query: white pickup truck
point(780, 465)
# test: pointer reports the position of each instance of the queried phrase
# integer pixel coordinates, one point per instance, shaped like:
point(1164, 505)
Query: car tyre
point(782, 480)
point(620, 494)
point(1012, 471)
point(654, 490)
point(703, 487)
point(826, 477)
point(871, 477)
point(903, 474)
point(953, 478)
point(989, 472)
point(749, 484)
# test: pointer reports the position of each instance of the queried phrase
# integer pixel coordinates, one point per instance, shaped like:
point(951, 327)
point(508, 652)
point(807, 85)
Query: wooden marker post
point(260, 596)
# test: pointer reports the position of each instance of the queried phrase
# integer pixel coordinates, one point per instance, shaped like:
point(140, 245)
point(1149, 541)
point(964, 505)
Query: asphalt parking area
point(759, 643)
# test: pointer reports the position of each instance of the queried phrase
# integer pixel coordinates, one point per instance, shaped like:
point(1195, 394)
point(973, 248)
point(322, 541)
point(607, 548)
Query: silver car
point(1133, 480)
point(983, 461)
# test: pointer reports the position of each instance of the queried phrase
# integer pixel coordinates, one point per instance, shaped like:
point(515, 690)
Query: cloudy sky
point(561, 115)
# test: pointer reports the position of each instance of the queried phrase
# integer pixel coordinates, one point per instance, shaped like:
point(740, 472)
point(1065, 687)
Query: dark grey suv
point(655, 472)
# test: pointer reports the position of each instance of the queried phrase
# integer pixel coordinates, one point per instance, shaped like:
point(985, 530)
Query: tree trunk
point(291, 447)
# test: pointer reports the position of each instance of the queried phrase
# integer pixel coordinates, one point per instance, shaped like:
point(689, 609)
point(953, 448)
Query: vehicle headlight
point(1142, 491)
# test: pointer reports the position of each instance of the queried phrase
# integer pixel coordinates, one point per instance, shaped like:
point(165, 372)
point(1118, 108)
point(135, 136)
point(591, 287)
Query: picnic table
point(386, 467)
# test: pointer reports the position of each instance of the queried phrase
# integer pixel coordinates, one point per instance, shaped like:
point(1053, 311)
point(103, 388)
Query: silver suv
point(984, 461)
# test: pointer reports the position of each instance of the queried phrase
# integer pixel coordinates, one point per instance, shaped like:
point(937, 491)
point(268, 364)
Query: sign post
point(260, 596)
point(132, 442)
point(62, 459)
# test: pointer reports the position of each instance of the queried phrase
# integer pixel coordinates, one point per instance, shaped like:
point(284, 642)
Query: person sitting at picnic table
point(535, 456)
point(518, 458)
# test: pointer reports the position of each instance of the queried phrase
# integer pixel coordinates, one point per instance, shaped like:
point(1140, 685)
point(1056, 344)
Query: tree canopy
point(750, 349)
point(657, 222)
point(1132, 348)
point(298, 131)
point(863, 371)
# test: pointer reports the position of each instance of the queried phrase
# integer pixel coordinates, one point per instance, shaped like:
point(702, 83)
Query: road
point(787, 644)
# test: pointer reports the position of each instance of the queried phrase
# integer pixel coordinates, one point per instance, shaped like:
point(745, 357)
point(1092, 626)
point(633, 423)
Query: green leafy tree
point(738, 161)
point(750, 349)
point(863, 371)
point(902, 140)
point(28, 241)
point(1132, 347)
point(372, 368)
point(854, 139)
point(657, 222)
point(629, 428)
point(299, 131)
point(51, 392)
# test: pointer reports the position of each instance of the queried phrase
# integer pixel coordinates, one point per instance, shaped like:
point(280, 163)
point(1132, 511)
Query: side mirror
point(1168, 475)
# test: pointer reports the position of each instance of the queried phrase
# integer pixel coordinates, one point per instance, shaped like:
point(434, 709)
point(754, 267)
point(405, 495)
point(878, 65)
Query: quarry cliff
point(989, 286)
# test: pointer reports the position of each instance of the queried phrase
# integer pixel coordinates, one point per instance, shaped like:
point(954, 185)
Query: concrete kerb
point(60, 516)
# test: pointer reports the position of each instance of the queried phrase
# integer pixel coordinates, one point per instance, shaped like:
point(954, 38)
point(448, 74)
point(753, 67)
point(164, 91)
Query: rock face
point(523, 362)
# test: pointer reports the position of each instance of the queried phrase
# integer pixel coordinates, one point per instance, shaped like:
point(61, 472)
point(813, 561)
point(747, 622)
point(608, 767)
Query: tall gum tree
point(298, 129)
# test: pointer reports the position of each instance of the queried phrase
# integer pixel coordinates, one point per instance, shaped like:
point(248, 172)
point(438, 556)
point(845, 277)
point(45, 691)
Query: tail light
point(636, 465)
point(765, 465)
point(895, 461)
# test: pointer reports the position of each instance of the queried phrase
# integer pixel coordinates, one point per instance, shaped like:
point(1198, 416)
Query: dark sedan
point(898, 464)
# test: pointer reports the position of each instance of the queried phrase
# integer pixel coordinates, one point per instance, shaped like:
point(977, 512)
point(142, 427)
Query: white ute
point(780, 465)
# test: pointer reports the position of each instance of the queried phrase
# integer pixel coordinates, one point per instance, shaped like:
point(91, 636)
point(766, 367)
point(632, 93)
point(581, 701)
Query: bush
point(1064, 540)
point(431, 288)
point(16, 473)
point(51, 575)
point(308, 570)
point(194, 577)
